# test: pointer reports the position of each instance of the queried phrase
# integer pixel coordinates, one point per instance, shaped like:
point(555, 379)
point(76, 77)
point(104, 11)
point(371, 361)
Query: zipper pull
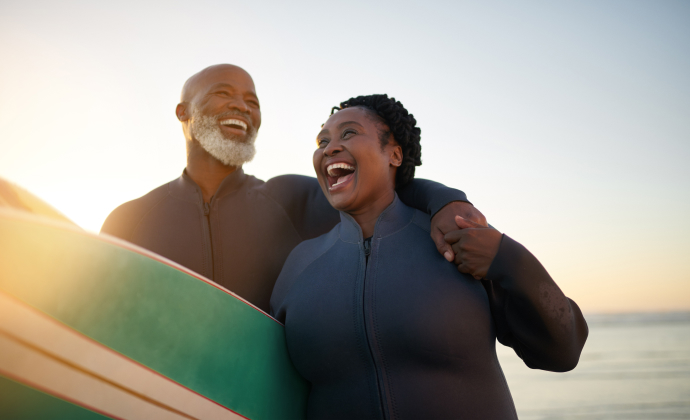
point(367, 247)
point(207, 209)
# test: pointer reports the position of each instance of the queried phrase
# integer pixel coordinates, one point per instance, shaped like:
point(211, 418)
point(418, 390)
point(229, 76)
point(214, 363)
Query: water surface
point(634, 366)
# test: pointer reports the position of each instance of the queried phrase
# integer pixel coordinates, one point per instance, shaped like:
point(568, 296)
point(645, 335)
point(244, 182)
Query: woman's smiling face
point(354, 171)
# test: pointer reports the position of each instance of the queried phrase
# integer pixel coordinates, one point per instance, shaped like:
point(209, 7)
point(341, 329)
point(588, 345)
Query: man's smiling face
point(227, 94)
point(222, 113)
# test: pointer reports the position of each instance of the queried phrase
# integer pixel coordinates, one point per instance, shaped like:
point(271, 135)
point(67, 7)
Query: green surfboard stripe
point(180, 326)
point(20, 402)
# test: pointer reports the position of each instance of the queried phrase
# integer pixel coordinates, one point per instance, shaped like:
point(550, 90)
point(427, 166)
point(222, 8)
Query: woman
point(379, 323)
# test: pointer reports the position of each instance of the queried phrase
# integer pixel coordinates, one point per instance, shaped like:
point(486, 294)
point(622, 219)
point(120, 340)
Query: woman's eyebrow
point(343, 124)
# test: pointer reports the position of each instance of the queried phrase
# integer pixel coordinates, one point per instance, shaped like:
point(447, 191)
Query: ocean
point(633, 366)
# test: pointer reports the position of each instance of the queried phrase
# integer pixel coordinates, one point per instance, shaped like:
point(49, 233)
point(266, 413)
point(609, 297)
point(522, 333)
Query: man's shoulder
point(291, 179)
point(284, 187)
point(152, 197)
point(293, 193)
point(124, 217)
point(301, 199)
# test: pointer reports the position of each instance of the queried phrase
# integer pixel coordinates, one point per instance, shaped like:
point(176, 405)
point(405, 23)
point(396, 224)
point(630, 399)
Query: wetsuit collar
point(185, 188)
point(395, 217)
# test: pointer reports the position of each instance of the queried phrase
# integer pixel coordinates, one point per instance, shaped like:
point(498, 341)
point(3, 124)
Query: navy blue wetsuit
point(404, 335)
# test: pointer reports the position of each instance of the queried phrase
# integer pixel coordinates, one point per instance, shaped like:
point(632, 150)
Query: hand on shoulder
point(443, 223)
point(475, 246)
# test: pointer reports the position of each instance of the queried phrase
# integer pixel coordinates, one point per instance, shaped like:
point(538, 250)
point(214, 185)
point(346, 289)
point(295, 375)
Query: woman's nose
point(333, 148)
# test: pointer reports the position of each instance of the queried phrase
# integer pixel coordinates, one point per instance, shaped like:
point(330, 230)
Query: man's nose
point(239, 105)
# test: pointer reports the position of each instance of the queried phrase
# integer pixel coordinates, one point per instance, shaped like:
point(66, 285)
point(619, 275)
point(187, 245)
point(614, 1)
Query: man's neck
point(207, 171)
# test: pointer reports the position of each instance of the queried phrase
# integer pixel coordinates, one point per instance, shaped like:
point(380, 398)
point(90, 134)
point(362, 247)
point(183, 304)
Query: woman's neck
point(366, 217)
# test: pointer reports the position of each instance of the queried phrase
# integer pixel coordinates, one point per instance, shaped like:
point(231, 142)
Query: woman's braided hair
point(400, 123)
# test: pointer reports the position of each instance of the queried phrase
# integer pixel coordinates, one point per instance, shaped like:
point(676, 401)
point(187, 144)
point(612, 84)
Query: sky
point(566, 123)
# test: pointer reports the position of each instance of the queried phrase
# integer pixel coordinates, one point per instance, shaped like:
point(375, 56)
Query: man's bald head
point(220, 113)
point(201, 80)
point(218, 90)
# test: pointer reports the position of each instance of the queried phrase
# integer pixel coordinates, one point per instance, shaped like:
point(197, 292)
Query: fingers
point(464, 264)
point(454, 236)
point(463, 267)
point(466, 224)
point(442, 246)
point(459, 254)
point(469, 212)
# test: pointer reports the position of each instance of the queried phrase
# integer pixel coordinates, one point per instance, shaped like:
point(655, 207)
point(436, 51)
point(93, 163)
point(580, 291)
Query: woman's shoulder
point(307, 252)
point(421, 220)
point(301, 257)
point(310, 250)
point(418, 220)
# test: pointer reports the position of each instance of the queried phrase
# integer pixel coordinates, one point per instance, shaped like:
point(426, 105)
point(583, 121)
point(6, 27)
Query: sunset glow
point(566, 124)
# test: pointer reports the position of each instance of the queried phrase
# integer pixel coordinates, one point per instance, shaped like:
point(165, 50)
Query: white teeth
point(234, 122)
point(329, 168)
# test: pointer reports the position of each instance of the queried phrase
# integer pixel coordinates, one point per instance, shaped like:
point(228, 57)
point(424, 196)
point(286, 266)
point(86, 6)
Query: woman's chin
point(339, 202)
point(344, 200)
point(341, 196)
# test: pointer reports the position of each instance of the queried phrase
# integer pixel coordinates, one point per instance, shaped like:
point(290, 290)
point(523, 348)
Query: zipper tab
point(367, 247)
point(207, 209)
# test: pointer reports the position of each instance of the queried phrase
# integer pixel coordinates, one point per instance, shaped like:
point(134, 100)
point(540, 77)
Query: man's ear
point(181, 111)
point(396, 156)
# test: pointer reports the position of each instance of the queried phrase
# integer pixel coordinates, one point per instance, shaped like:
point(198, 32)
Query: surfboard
point(15, 197)
point(95, 327)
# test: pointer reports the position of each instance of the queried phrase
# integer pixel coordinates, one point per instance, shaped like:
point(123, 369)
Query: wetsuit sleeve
point(305, 204)
point(531, 313)
point(428, 196)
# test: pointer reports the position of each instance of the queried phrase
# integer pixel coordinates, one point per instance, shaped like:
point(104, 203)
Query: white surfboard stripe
point(42, 352)
point(39, 371)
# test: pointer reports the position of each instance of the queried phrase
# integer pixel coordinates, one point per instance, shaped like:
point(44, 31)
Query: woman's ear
point(396, 156)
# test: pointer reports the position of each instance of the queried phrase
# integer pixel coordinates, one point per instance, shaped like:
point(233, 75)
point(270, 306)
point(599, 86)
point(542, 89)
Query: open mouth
point(339, 174)
point(236, 124)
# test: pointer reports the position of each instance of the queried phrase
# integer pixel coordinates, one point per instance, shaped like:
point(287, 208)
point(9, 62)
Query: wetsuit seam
point(298, 274)
point(396, 231)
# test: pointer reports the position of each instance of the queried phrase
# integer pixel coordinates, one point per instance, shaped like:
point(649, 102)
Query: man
point(231, 227)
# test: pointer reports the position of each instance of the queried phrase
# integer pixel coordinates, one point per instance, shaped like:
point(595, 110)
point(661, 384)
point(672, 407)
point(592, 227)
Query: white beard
point(230, 151)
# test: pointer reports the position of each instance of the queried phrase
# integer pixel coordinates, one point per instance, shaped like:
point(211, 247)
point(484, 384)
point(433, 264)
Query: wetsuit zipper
point(367, 253)
point(207, 214)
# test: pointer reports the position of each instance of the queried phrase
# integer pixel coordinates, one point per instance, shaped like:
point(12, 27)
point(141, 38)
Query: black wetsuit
point(403, 335)
point(243, 236)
